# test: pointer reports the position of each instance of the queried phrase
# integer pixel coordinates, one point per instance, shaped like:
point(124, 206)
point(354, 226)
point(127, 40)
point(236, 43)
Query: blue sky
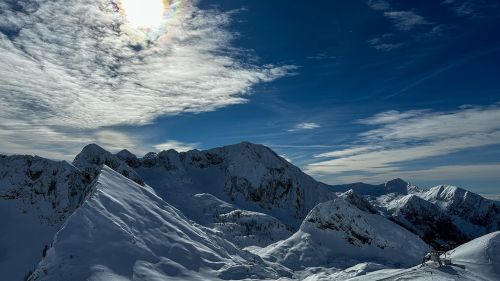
point(347, 90)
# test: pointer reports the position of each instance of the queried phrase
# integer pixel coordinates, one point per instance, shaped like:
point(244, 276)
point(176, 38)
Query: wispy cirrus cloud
point(473, 8)
point(406, 20)
point(81, 67)
point(402, 20)
point(385, 43)
point(475, 172)
point(400, 137)
point(304, 126)
point(175, 145)
point(379, 5)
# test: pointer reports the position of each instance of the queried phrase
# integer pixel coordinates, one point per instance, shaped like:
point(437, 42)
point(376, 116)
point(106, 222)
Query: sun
point(144, 14)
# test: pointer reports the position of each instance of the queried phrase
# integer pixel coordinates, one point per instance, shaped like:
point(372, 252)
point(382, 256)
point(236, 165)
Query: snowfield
point(124, 231)
point(238, 212)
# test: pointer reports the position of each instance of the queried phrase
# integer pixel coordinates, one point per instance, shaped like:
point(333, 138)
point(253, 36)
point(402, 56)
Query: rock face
point(338, 229)
point(36, 197)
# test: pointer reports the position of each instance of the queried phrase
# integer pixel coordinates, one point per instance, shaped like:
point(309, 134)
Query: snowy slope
point(124, 231)
point(481, 256)
point(36, 197)
point(477, 260)
point(473, 214)
point(337, 229)
point(247, 177)
point(359, 201)
point(246, 228)
point(444, 216)
point(426, 220)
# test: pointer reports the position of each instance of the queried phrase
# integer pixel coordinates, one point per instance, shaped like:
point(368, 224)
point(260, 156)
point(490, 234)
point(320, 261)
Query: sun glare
point(144, 14)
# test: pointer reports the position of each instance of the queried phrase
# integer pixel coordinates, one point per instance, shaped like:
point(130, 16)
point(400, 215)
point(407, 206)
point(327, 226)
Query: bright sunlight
point(144, 14)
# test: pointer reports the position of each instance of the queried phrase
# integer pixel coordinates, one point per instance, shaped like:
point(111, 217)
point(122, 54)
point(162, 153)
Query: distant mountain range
point(231, 213)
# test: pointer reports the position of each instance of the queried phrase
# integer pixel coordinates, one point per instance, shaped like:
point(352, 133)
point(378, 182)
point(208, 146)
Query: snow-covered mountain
point(124, 231)
point(427, 220)
point(235, 212)
point(337, 229)
point(36, 197)
point(444, 216)
point(244, 179)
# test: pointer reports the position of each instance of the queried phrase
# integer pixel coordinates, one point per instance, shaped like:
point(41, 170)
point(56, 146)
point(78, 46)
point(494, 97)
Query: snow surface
point(338, 229)
point(481, 256)
point(124, 231)
point(477, 260)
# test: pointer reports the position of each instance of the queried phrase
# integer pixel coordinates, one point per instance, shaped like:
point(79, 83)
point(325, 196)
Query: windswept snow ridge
point(124, 231)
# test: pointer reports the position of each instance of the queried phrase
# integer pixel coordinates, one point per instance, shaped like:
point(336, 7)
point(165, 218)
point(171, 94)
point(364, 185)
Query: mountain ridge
point(250, 197)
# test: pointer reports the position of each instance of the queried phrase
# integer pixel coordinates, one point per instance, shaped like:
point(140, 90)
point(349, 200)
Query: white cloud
point(495, 197)
point(176, 145)
point(385, 43)
point(304, 126)
point(385, 47)
point(379, 5)
point(347, 152)
point(405, 136)
point(406, 20)
point(479, 172)
point(286, 158)
point(66, 68)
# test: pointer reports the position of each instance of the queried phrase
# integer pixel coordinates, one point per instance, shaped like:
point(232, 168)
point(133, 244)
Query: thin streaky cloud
point(406, 20)
point(304, 126)
point(379, 5)
point(399, 137)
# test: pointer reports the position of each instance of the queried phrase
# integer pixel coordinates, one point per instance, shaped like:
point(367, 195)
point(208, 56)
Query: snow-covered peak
point(444, 193)
point(427, 220)
point(247, 151)
point(92, 158)
point(412, 202)
point(359, 201)
point(464, 204)
point(336, 229)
